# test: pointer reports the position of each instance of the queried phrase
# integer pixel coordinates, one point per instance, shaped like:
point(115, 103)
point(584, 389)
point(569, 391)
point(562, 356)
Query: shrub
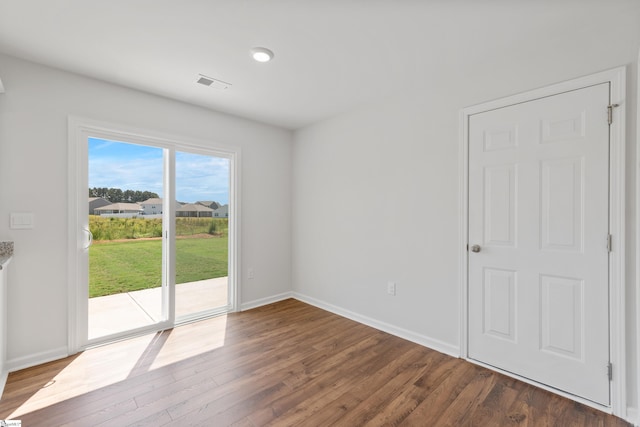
point(112, 228)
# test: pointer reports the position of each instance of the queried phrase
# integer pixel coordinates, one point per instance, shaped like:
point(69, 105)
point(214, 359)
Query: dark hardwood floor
point(285, 364)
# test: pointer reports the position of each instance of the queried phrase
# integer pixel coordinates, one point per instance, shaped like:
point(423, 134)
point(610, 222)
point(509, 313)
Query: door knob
point(90, 238)
point(475, 248)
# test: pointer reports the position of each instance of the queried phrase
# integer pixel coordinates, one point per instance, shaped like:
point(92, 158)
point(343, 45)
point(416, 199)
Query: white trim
point(82, 128)
point(3, 380)
point(463, 192)
point(36, 359)
point(432, 343)
point(4, 373)
point(423, 340)
point(616, 78)
point(265, 301)
point(617, 257)
point(76, 153)
point(235, 261)
point(169, 237)
point(633, 413)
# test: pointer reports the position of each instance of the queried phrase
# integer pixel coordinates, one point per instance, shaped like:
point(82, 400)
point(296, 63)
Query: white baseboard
point(423, 340)
point(3, 381)
point(264, 301)
point(36, 359)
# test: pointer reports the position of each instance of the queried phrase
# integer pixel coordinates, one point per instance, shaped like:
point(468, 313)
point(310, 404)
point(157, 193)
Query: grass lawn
point(126, 266)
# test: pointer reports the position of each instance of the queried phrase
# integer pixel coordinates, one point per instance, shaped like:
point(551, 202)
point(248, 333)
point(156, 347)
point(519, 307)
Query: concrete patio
point(120, 312)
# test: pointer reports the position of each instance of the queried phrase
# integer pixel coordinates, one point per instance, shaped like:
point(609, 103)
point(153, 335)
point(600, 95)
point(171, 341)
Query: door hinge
point(609, 243)
point(610, 108)
point(610, 371)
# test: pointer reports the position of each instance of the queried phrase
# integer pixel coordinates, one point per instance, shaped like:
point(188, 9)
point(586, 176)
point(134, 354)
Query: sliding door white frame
point(80, 129)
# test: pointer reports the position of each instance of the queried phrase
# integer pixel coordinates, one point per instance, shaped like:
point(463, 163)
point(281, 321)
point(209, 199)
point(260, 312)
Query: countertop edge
point(6, 252)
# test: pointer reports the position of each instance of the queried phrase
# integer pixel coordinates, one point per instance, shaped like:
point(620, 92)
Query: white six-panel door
point(538, 227)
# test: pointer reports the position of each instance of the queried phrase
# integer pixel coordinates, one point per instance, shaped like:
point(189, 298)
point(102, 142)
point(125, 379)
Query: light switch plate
point(21, 221)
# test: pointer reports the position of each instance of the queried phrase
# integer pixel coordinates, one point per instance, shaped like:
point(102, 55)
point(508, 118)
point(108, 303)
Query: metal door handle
point(475, 248)
point(90, 239)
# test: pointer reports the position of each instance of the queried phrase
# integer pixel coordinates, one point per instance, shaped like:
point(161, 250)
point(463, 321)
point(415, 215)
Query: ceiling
point(330, 55)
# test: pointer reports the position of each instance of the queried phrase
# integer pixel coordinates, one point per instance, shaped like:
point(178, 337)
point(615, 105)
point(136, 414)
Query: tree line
point(116, 195)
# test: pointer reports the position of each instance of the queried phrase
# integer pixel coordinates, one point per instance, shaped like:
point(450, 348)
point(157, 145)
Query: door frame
point(637, 239)
point(79, 129)
point(617, 80)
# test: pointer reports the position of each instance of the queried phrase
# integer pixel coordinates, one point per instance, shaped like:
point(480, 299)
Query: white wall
point(390, 172)
point(33, 178)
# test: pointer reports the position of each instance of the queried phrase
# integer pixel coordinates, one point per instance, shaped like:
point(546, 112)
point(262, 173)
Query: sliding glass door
point(202, 235)
point(153, 233)
point(126, 278)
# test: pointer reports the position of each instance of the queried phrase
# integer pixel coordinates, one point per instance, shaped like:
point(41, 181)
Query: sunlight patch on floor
point(108, 365)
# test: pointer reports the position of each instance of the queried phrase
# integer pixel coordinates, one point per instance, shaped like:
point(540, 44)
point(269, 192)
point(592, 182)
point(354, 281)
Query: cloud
point(200, 177)
point(137, 167)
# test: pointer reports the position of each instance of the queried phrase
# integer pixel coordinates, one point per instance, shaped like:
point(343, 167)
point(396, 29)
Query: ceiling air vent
point(211, 82)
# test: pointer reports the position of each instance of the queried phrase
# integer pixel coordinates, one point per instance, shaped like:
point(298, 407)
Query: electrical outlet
point(391, 288)
point(250, 273)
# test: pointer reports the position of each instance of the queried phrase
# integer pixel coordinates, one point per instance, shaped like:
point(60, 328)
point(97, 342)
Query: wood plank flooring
point(285, 364)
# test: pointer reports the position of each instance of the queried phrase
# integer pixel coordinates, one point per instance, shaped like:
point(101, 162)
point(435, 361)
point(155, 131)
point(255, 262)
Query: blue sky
point(139, 167)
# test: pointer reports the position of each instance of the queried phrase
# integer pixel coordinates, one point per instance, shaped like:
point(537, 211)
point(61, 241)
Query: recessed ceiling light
point(261, 54)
